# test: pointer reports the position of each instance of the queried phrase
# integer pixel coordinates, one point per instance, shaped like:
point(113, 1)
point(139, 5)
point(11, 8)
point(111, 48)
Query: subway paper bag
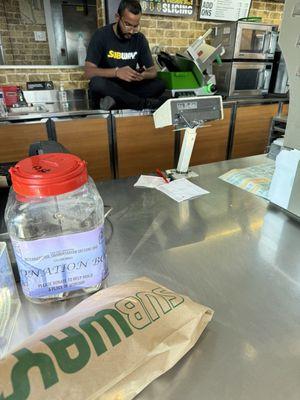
point(110, 346)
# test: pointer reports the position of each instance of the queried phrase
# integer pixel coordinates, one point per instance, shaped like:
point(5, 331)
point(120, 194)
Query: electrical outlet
point(40, 36)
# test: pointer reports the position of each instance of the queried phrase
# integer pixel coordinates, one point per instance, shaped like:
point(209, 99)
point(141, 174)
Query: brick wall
point(171, 33)
point(18, 37)
point(72, 78)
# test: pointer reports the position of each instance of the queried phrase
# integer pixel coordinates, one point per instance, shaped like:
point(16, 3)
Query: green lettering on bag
point(135, 312)
point(19, 375)
point(59, 348)
point(131, 312)
point(100, 318)
point(155, 304)
point(173, 298)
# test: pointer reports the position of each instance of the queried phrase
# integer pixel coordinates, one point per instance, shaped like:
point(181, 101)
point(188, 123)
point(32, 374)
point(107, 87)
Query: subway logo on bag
point(130, 314)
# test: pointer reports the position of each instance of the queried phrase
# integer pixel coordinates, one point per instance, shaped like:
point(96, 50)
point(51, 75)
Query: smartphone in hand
point(140, 70)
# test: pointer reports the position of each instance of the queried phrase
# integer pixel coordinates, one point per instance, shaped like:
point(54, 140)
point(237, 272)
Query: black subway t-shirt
point(106, 50)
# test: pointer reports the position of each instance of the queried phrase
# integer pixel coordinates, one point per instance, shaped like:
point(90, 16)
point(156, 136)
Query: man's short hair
point(132, 6)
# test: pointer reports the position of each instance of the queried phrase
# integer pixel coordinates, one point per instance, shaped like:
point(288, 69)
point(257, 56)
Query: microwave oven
point(279, 82)
point(246, 40)
point(243, 79)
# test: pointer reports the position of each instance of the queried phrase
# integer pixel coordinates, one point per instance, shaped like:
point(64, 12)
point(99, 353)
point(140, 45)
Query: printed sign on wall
point(176, 8)
point(224, 10)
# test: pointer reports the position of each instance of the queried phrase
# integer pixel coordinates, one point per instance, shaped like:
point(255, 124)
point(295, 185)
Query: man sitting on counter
point(119, 64)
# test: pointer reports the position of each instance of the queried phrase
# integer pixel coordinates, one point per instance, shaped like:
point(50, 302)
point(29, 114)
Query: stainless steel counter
point(76, 111)
point(228, 250)
point(58, 114)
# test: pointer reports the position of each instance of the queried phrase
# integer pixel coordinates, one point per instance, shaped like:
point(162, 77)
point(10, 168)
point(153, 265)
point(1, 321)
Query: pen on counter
point(170, 177)
point(158, 171)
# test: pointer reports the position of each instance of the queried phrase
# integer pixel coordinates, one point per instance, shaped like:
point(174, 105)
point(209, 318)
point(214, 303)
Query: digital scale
point(188, 113)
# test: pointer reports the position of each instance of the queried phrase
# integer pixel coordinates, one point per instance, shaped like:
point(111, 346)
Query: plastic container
point(9, 300)
point(10, 93)
point(81, 50)
point(55, 219)
point(178, 80)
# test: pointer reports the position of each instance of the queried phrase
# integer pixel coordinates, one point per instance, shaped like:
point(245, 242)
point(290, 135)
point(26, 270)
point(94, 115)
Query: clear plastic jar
point(55, 219)
point(9, 300)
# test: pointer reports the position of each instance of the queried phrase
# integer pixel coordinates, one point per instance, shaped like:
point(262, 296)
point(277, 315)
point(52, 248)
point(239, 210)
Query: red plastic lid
point(48, 175)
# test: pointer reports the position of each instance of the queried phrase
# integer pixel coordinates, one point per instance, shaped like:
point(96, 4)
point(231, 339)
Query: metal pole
point(186, 150)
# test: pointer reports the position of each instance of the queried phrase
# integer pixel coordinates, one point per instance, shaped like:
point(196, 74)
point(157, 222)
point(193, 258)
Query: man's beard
point(121, 34)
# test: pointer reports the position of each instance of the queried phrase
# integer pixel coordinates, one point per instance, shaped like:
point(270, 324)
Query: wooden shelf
point(16, 139)
point(141, 147)
point(252, 128)
point(88, 139)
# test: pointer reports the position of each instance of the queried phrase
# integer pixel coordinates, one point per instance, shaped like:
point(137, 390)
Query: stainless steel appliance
point(279, 82)
point(243, 79)
point(88, 25)
point(247, 61)
point(246, 40)
point(63, 29)
point(48, 100)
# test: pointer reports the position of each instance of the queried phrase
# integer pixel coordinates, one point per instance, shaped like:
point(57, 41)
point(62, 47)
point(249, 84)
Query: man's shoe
point(107, 103)
point(153, 104)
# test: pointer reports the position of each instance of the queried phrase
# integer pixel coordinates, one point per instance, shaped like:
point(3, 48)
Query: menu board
point(224, 10)
point(176, 8)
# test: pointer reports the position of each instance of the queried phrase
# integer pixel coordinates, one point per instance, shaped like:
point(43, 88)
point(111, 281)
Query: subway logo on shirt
point(117, 55)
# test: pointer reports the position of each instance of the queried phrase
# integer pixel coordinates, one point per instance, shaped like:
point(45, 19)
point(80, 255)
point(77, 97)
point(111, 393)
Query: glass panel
point(88, 25)
point(252, 41)
point(246, 79)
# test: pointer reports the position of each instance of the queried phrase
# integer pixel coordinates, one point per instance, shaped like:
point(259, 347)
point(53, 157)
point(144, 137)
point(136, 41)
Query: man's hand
point(149, 73)
point(128, 74)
